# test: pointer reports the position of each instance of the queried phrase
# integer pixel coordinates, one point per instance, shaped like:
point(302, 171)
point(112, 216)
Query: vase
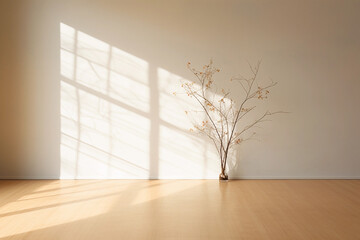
point(223, 177)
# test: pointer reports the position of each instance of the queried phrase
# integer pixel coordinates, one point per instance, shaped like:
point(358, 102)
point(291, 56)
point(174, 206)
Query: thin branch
point(225, 116)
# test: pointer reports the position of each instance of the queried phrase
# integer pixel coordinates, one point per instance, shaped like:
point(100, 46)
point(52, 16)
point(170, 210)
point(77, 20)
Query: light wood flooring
point(180, 209)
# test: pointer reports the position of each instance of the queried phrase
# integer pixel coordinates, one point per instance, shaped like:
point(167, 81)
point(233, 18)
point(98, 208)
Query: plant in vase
point(222, 114)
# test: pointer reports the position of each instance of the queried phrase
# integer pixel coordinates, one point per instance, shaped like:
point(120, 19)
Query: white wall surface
point(86, 87)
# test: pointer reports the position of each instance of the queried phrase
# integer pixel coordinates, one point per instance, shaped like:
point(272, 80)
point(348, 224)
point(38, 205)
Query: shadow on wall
point(119, 118)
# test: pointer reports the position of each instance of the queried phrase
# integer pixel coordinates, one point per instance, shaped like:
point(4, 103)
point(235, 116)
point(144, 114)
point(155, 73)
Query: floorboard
point(180, 209)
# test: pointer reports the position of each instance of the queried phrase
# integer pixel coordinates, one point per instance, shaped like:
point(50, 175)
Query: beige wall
point(312, 48)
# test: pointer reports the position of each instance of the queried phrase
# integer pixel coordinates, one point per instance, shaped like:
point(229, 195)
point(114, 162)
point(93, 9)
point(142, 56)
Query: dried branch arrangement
point(222, 114)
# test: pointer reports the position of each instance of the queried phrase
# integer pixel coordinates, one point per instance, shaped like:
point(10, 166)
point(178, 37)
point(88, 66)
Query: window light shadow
point(119, 119)
point(130, 198)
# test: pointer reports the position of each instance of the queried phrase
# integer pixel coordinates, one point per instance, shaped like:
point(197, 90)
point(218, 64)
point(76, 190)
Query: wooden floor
point(180, 209)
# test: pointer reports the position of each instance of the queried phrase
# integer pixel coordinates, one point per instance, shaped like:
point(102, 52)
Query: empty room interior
point(180, 119)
